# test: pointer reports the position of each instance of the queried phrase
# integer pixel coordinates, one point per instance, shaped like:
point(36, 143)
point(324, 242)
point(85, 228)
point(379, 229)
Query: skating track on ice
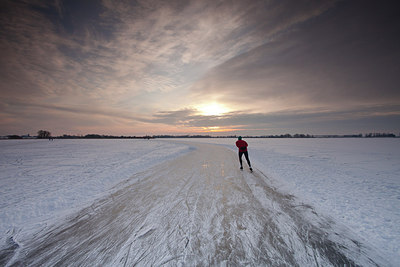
point(199, 209)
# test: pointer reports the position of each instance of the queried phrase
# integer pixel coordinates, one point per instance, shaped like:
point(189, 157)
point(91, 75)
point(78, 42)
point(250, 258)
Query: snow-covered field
point(354, 181)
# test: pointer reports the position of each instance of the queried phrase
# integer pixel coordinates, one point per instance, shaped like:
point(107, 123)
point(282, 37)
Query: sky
point(199, 67)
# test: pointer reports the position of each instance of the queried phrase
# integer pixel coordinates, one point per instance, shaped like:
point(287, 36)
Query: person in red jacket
point(242, 145)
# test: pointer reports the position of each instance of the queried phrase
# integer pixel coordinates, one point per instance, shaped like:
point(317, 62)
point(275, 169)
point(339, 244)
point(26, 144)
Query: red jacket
point(242, 145)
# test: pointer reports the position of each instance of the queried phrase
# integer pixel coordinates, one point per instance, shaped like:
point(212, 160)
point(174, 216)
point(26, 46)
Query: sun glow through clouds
point(212, 109)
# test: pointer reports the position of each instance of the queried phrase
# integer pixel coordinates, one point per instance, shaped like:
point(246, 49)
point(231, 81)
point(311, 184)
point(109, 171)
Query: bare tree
point(43, 134)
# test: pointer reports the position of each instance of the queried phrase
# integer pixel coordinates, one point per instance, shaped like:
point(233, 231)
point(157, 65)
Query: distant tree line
point(44, 134)
point(182, 136)
point(14, 136)
point(99, 136)
point(380, 135)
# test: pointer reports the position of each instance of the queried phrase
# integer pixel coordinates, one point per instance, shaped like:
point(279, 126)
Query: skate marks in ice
point(297, 235)
point(8, 251)
point(196, 210)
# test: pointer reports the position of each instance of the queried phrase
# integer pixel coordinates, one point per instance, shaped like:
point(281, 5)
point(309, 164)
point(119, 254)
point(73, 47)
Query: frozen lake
point(353, 181)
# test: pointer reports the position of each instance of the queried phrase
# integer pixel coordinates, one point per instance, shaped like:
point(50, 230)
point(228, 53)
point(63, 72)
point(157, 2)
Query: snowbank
point(42, 180)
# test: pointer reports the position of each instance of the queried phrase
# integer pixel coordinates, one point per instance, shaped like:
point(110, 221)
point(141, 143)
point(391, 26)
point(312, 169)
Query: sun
point(212, 109)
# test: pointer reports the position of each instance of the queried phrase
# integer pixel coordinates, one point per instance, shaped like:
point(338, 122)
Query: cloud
point(177, 37)
point(333, 62)
point(117, 49)
point(364, 119)
point(149, 63)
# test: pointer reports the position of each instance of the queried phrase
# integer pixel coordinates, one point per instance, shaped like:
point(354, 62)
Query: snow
point(354, 180)
point(44, 180)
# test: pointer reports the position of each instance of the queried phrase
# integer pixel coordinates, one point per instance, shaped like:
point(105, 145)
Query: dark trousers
point(246, 155)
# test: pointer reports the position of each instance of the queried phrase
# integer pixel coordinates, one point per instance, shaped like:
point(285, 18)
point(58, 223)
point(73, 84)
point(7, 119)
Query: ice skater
point(242, 145)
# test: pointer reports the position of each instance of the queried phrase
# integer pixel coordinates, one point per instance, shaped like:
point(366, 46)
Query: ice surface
point(195, 210)
point(354, 180)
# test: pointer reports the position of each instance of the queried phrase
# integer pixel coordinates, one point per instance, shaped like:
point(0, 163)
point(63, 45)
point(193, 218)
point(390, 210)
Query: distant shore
point(98, 136)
